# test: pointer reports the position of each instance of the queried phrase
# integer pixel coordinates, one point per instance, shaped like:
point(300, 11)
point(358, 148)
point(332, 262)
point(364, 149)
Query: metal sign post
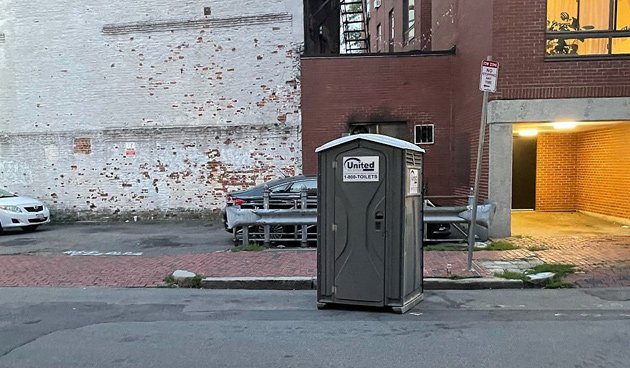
point(487, 84)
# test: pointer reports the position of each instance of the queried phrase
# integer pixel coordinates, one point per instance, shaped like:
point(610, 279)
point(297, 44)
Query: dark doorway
point(524, 173)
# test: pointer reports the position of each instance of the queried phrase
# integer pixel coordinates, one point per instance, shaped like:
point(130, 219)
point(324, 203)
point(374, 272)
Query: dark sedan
point(283, 194)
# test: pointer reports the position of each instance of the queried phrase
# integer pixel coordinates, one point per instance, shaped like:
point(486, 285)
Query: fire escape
point(354, 26)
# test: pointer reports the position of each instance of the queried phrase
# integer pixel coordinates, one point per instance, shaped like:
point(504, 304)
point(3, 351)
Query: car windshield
point(4, 194)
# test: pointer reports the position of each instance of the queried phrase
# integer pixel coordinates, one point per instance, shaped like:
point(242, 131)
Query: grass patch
point(193, 282)
point(555, 282)
point(558, 269)
point(536, 248)
point(511, 275)
point(443, 248)
point(252, 247)
point(169, 281)
point(499, 245)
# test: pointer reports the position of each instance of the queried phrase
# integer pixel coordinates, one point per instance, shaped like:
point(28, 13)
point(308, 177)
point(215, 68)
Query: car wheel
point(31, 228)
point(275, 232)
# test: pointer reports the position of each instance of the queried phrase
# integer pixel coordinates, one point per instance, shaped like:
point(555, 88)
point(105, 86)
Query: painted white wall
point(211, 103)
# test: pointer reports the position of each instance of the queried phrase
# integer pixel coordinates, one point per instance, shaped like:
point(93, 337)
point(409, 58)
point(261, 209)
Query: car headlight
point(11, 209)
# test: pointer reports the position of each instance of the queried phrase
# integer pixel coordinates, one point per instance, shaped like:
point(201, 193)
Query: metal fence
point(297, 223)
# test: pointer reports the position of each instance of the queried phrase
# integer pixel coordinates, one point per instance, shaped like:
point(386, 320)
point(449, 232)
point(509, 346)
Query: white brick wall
point(211, 103)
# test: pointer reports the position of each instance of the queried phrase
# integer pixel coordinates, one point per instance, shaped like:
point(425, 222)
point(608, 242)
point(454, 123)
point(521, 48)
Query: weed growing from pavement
point(192, 282)
point(169, 281)
point(500, 245)
point(554, 282)
point(252, 247)
point(195, 282)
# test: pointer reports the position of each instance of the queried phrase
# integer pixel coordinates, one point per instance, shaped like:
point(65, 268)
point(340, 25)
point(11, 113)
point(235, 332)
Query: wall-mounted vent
point(424, 134)
point(2, 38)
point(377, 3)
point(207, 11)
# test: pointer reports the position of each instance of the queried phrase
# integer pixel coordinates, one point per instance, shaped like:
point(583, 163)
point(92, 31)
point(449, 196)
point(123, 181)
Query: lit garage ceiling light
point(564, 125)
point(528, 133)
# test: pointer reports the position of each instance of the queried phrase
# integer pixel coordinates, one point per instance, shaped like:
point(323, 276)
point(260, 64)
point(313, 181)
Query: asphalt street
point(236, 328)
point(131, 238)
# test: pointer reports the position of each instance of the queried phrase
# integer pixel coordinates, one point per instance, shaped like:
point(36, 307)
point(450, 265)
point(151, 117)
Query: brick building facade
point(548, 74)
point(149, 108)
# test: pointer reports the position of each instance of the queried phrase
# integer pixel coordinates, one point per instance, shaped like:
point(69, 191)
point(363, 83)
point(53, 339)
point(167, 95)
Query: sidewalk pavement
point(130, 271)
point(602, 262)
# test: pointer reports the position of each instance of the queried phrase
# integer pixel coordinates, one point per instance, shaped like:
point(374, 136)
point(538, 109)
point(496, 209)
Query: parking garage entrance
point(569, 166)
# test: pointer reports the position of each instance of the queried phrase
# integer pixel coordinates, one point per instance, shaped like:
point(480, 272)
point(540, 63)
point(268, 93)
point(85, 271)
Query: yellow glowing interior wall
point(623, 15)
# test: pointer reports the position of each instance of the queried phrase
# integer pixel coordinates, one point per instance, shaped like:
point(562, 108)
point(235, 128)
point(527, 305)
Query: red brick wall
point(381, 15)
point(603, 164)
point(473, 20)
point(586, 171)
point(519, 45)
point(556, 172)
point(423, 16)
point(424, 23)
point(337, 91)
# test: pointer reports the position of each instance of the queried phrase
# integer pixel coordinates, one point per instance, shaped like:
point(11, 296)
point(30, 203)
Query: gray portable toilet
point(369, 246)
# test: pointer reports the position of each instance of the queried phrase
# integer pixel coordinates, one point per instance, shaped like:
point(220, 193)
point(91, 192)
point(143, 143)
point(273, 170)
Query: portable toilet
point(370, 203)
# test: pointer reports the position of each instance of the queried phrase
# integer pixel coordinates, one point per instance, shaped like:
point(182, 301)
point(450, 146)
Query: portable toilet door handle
point(378, 216)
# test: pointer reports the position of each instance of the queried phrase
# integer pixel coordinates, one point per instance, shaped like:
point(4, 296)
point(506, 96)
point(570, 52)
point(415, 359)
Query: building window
point(424, 134)
point(391, 31)
point(410, 20)
point(587, 28)
point(379, 37)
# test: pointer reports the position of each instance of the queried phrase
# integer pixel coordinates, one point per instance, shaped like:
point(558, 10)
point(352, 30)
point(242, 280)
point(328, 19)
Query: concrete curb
point(472, 284)
point(262, 283)
point(310, 283)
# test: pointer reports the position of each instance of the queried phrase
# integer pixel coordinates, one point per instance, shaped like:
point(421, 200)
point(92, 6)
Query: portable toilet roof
point(376, 138)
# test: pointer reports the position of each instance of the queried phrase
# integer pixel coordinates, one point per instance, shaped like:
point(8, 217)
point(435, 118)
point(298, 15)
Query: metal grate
point(34, 208)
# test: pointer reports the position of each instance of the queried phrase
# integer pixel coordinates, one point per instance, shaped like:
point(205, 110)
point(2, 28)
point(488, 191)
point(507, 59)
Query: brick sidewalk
point(107, 271)
point(602, 261)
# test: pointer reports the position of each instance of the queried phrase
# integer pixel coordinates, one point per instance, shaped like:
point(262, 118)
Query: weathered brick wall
point(210, 102)
point(556, 172)
point(519, 45)
point(603, 164)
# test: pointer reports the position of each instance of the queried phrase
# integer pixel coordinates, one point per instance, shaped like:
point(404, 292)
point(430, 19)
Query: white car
point(23, 212)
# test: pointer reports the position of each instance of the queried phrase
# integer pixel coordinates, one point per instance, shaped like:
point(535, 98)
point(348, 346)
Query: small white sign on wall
point(361, 169)
point(130, 149)
point(414, 181)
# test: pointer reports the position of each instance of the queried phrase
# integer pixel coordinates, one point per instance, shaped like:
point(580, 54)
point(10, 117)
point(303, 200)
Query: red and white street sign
point(489, 76)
